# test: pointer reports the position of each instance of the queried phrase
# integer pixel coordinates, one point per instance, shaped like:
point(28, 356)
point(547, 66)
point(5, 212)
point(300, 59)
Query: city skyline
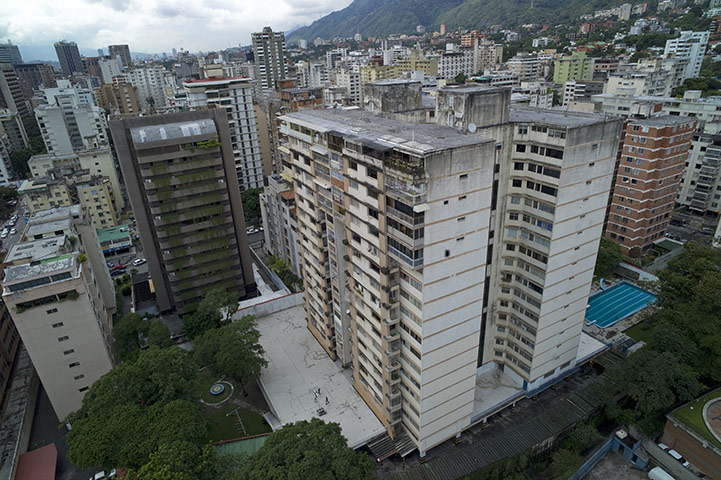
point(150, 27)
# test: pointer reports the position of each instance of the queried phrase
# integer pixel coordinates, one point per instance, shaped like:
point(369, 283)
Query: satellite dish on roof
point(472, 127)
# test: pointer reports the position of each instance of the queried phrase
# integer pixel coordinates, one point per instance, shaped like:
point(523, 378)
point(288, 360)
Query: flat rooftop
point(363, 126)
point(662, 121)
point(41, 228)
point(20, 273)
point(56, 213)
point(554, 117)
point(155, 133)
point(37, 249)
point(118, 232)
point(298, 365)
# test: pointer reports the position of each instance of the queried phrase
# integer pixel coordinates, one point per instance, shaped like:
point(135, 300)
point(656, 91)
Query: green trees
point(305, 450)
point(251, 205)
point(684, 349)
point(609, 256)
point(180, 460)
point(132, 333)
point(134, 409)
point(232, 350)
point(216, 308)
point(286, 275)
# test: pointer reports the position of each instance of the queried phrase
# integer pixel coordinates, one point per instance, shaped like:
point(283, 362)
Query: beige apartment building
point(435, 253)
point(61, 298)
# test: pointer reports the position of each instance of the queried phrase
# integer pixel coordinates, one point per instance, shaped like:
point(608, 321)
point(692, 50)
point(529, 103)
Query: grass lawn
point(639, 332)
point(693, 417)
point(206, 379)
point(222, 426)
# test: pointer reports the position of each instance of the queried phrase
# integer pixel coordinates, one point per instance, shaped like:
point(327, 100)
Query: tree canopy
point(134, 409)
point(216, 308)
point(131, 333)
point(684, 350)
point(251, 205)
point(609, 256)
point(232, 350)
point(304, 450)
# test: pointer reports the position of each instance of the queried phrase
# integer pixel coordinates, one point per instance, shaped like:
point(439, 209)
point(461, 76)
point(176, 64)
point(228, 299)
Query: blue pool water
point(616, 303)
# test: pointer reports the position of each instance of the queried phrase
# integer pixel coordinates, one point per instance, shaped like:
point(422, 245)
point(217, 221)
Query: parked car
point(4, 233)
point(13, 231)
point(678, 457)
point(110, 264)
point(119, 266)
point(139, 261)
point(115, 273)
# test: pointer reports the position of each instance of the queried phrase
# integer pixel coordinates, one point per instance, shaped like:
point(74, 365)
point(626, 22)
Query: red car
point(120, 266)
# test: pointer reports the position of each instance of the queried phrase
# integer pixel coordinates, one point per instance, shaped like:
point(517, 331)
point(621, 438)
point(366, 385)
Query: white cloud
point(154, 26)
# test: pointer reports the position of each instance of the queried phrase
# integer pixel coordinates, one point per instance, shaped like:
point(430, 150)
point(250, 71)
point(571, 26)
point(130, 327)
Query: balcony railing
point(413, 263)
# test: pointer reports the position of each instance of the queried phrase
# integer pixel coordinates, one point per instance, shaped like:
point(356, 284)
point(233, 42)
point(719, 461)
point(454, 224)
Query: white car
point(139, 261)
point(4, 233)
point(13, 231)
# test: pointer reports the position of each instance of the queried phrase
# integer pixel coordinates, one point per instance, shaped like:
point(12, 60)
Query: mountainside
point(384, 17)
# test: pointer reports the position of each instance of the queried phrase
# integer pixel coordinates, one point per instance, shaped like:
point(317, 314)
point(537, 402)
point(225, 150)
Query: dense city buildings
point(10, 53)
point(121, 51)
point(11, 91)
point(270, 54)
point(34, 76)
point(118, 98)
point(69, 58)
point(181, 177)
point(60, 296)
point(234, 96)
point(690, 46)
point(649, 171)
point(385, 216)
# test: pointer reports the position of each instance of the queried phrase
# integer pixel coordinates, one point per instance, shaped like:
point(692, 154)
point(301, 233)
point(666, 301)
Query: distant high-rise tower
point(69, 57)
point(122, 51)
point(269, 52)
point(10, 53)
point(181, 178)
point(100, 52)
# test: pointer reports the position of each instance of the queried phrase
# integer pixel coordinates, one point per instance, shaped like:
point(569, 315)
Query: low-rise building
point(115, 239)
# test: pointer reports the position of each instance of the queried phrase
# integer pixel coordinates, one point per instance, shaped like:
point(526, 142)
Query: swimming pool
point(616, 303)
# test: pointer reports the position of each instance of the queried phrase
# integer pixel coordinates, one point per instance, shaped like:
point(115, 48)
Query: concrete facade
point(270, 54)
point(69, 58)
point(429, 250)
point(62, 307)
point(690, 46)
point(280, 221)
point(180, 173)
point(235, 97)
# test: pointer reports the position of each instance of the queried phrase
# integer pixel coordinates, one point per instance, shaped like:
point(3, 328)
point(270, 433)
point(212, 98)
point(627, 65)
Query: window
point(352, 165)
point(463, 176)
point(51, 311)
point(517, 183)
point(78, 377)
point(57, 325)
point(518, 165)
point(522, 129)
point(84, 389)
point(521, 148)
point(62, 339)
point(74, 364)
point(68, 352)
point(461, 219)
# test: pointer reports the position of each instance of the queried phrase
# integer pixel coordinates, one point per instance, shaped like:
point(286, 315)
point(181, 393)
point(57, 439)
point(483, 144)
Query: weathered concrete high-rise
point(448, 247)
point(182, 184)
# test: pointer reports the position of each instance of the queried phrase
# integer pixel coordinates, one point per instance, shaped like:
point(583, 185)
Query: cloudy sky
point(150, 26)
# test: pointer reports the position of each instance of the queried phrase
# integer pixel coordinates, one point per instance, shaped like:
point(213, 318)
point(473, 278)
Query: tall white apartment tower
point(691, 46)
point(235, 95)
point(150, 84)
point(433, 254)
point(270, 53)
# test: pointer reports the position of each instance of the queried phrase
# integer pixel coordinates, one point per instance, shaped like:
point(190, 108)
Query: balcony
point(402, 237)
point(413, 263)
point(405, 191)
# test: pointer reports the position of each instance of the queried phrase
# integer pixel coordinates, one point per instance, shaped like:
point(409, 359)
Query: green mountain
point(384, 17)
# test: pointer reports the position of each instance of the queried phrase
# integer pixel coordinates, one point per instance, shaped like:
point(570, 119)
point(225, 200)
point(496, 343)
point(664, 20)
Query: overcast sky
point(152, 26)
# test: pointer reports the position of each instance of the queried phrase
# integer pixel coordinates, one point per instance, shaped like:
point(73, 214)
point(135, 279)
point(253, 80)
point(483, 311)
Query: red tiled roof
point(38, 464)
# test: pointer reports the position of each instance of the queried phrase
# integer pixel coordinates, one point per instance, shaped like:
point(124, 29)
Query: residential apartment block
point(690, 46)
point(61, 298)
point(69, 58)
point(648, 175)
point(434, 253)
point(181, 177)
point(9, 342)
point(700, 188)
point(280, 220)
point(235, 97)
point(270, 54)
point(118, 98)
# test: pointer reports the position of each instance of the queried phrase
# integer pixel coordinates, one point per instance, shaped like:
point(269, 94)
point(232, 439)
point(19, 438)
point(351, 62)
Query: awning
point(422, 207)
